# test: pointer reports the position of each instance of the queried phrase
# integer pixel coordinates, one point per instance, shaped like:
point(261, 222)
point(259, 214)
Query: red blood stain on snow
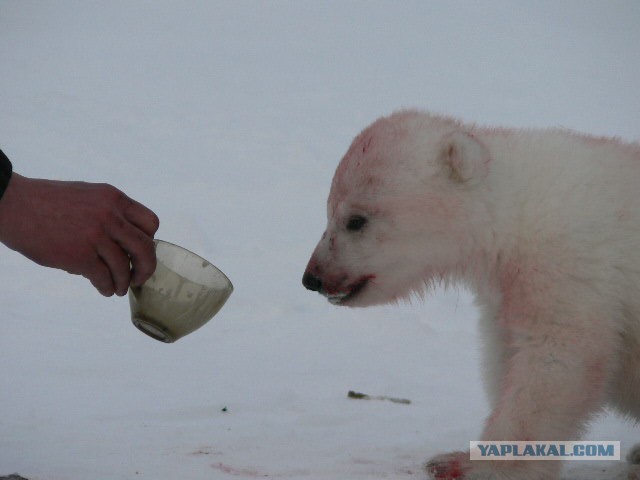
point(251, 473)
point(237, 472)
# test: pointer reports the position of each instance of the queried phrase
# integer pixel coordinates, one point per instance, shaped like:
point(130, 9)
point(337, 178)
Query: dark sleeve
point(5, 173)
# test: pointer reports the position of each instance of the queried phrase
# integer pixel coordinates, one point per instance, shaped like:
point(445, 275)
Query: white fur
point(543, 225)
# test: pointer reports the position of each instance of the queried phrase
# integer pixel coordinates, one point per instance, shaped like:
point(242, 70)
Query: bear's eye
point(356, 222)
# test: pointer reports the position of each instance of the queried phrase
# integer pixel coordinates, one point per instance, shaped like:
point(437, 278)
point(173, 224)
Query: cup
point(184, 293)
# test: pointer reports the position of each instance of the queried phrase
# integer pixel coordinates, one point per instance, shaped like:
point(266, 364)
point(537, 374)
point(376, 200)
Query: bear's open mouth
point(352, 291)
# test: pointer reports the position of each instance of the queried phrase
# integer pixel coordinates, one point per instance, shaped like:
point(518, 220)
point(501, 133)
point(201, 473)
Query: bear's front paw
point(457, 466)
point(450, 466)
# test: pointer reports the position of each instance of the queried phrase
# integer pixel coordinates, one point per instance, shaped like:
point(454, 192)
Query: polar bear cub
point(544, 227)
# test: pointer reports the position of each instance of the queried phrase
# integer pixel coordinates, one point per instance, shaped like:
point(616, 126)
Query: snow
point(228, 118)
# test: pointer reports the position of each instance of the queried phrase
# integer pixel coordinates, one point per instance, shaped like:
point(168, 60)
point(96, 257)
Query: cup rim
point(159, 241)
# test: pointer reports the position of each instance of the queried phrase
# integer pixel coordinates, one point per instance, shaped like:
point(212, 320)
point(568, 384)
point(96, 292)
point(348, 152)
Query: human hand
point(88, 229)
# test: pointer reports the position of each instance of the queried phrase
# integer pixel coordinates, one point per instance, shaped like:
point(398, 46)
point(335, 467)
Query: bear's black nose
point(311, 282)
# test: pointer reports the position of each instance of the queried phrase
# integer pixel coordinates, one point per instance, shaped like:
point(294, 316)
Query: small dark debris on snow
point(364, 396)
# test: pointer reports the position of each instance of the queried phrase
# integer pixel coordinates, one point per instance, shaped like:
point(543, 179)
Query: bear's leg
point(625, 388)
point(634, 455)
point(493, 358)
point(634, 459)
point(554, 377)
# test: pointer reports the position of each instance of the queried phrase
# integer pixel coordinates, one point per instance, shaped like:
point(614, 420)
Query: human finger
point(140, 249)
point(99, 275)
point(119, 265)
point(141, 216)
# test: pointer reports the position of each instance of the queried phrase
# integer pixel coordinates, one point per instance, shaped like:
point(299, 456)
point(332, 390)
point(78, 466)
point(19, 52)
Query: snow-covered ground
point(228, 119)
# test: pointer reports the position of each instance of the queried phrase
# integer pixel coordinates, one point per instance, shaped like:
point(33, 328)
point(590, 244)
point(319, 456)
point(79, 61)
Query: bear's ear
point(464, 158)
